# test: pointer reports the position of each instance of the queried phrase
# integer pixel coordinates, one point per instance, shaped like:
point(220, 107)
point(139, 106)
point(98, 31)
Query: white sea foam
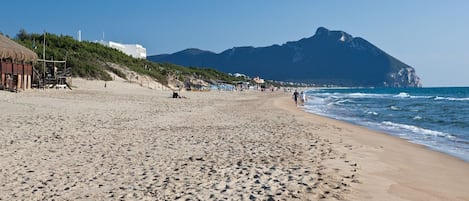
point(359, 94)
point(316, 110)
point(417, 117)
point(415, 129)
point(426, 97)
point(451, 98)
point(341, 102)
point(451, 137)
point(372, 113)
point(402, 95)
point(395, 108)
point(366, 95)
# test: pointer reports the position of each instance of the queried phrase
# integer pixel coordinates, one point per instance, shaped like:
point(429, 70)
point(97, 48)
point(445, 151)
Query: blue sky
point(431, 36)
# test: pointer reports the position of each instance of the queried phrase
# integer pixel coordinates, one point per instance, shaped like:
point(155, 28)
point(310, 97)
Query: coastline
point(415, 114)
point(392, 168)
point(133, 143)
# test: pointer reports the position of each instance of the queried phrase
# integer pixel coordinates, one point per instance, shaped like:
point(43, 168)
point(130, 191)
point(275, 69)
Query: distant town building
point(240, 75)
point(134, 50)
point(258, 80)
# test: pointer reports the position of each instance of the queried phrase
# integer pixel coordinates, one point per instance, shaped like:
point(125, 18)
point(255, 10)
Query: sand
point(126, 142)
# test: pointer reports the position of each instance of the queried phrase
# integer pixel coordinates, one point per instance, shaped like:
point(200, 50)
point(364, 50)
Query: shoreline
point(396, 169)
point(378, 130)
point(410, 114)
point(133, 143)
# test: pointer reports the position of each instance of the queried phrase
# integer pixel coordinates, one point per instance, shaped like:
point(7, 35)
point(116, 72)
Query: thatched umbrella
point(15, 51)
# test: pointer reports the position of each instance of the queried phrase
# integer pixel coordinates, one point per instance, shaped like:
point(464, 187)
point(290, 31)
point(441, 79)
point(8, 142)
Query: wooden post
point(25, 82)
point(2, 73)
point(29, 81)
point(18, 84)
point(7, 83)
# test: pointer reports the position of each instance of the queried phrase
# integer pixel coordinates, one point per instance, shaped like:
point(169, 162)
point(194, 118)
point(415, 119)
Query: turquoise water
point(435, 117)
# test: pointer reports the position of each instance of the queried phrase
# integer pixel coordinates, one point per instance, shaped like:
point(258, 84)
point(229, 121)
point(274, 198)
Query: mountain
point(328, 57)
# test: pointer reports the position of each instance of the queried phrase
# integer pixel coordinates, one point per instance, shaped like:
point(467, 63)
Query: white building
point(134, 50)
point(258, 80)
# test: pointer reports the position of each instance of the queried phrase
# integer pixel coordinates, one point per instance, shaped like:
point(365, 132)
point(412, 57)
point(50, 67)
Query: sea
point(437, 118)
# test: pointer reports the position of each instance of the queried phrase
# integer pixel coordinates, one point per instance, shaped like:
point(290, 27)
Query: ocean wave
point(402, 95)
point(407, 95)
point(331, 104)
point(360, 94)
point(366, 95)
point(317, 110)
point(451, 98)
point(334, 95)
point(372, 113)
point(341, 102)
point(354, 95)
point(437, 118)
point(416, 129)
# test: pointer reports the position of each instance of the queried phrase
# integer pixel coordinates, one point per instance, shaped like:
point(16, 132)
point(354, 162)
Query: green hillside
point(88, 59)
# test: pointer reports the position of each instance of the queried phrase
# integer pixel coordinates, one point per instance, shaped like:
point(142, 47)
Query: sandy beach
point(126, 142)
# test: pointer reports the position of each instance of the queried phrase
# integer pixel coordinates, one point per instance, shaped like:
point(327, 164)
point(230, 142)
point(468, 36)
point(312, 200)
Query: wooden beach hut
point(16, 65)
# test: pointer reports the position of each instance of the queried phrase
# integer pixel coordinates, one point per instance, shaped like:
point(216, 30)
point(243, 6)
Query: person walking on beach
point(295, 96)
point(303, 98)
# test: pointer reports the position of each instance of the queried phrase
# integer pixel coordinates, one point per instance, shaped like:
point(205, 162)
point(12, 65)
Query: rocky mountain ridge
point(327, 58)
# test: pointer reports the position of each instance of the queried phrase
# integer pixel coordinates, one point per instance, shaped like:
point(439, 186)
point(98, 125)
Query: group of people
point(301, 96)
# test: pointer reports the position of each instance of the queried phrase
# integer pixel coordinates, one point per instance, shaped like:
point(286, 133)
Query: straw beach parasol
point(15, 51)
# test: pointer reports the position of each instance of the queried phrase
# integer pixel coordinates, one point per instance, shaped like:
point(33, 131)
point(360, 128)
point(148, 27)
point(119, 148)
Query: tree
point(22, 35)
